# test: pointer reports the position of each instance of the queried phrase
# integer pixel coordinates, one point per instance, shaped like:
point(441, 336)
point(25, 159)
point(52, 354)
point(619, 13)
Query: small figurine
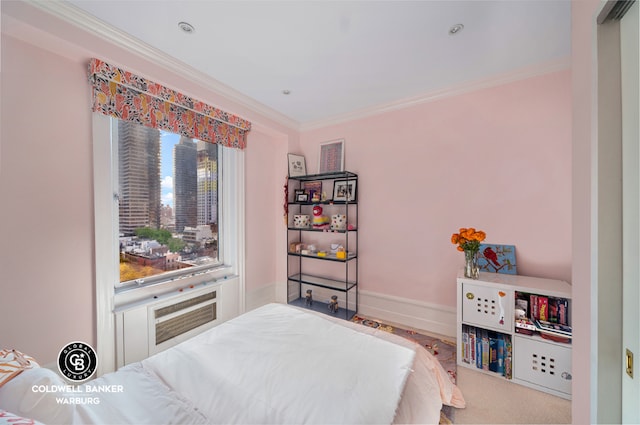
point(308, 299)
point(320, 221)
point(333, 304)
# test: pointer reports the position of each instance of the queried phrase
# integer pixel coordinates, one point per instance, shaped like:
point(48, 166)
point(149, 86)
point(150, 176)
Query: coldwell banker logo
point(77, 361)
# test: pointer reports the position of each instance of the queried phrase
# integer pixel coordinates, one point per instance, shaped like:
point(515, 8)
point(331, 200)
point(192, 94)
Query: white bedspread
point(302, 368)
point(276, 364)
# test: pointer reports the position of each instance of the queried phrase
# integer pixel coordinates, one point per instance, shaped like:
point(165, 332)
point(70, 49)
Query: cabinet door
point(487, 306)
point(541, 363)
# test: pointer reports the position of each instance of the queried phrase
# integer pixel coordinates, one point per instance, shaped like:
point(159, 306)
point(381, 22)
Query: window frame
point(110, 295)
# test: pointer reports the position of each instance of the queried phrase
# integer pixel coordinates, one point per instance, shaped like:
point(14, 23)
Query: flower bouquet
point(468, 241)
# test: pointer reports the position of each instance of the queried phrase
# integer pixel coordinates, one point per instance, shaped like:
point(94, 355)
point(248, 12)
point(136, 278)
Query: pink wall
point(47, 295)
point(498, 159)
point(46, 187)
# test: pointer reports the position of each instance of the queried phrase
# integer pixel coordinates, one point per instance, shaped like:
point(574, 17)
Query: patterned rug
point(444, 351)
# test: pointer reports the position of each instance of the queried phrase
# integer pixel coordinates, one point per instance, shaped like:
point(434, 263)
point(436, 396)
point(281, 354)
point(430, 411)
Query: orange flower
point(468, 239)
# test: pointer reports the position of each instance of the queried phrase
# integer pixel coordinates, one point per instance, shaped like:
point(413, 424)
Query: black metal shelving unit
point(297, 262)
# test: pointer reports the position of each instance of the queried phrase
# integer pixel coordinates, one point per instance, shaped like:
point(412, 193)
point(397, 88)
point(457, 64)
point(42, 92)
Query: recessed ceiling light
point(186, 27)
point(456, 29)
point(285, 92)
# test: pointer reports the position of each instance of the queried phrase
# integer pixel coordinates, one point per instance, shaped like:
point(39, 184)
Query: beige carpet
point(492, 400)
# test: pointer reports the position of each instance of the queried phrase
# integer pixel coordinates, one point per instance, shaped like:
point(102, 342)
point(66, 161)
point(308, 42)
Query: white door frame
point(630, 88)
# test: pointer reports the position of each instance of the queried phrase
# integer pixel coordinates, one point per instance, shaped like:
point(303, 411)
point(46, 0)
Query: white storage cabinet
point(488, 304)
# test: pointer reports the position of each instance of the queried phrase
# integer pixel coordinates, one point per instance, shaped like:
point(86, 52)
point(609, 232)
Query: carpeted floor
point(444, 351)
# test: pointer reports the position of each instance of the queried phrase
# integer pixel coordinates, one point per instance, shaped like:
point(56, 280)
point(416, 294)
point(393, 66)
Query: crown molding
point(79, 18)
point(454, 90)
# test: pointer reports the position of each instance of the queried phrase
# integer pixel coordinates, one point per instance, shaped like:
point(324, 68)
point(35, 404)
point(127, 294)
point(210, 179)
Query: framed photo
point(344, 190)
point(302, 197)
point(331, 158)
point(297, 165)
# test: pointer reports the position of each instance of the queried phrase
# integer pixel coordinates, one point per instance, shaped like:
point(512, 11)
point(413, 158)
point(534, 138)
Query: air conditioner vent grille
point(164, 311)
point(178, 325)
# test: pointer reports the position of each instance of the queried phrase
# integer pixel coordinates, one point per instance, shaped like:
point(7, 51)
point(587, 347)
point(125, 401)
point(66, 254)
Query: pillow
point(8, 418)
point(12, 363)
point(18, 396)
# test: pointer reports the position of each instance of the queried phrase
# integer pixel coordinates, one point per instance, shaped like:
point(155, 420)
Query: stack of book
point(487, 350)
point(548, 316)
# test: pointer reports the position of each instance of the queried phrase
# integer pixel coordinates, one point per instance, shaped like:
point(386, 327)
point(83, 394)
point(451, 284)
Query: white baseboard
point(259, 297)
point(403, 311)
point(418, 315)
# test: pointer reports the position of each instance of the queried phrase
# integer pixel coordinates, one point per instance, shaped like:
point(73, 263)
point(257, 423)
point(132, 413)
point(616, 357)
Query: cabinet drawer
point(487, 307)
point(541, 363)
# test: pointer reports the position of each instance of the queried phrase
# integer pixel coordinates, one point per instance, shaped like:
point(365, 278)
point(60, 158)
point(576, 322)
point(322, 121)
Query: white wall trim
point(106, 246)
point(89, 23)
point(454, 90)
point(79, 18)
point(403, 311)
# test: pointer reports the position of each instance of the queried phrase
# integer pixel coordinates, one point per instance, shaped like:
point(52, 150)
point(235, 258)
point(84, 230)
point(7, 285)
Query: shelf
point(327, 202)
point(326, 176)
point(334, 282)
point(322, 307)
point(328, 257)
point(311, 229)
point(337, 285)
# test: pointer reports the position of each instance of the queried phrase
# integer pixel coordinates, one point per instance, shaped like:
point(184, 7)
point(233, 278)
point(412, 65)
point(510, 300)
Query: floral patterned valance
point(129, 97)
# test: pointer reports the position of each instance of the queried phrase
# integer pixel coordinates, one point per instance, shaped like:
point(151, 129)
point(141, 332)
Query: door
point(630, 75)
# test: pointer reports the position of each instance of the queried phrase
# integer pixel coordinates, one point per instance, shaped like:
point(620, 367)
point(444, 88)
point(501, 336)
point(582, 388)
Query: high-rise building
point(207, 183)
point(185, 184)
point(139, 177)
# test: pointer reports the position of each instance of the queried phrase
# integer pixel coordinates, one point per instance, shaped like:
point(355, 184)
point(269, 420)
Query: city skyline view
point(168, 201)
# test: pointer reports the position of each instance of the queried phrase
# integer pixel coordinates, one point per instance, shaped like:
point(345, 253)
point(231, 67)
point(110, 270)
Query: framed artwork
point(297, 165)
point(497, 258)
point(344, 190)
point(302, 197)
point(312, 187)
point(331, 157)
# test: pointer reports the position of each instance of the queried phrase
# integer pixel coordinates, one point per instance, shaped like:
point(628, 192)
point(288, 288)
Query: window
point(168, 213)
point(213, 256)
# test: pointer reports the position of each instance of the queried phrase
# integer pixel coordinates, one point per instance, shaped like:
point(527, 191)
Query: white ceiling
point(340, 57)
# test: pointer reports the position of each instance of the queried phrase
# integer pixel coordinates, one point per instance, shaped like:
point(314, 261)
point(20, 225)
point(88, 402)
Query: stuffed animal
point(320, 221)
point(308, 298)
point(333, 304)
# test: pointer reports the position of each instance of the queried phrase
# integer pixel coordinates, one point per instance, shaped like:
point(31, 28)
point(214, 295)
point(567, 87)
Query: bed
point(274, 365)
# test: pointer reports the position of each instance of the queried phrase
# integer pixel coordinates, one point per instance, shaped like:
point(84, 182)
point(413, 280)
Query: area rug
point(444, 351)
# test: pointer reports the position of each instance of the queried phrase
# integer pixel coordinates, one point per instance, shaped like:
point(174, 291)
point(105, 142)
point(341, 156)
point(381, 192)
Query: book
point(493, 352)
point(535, 313)
point(525, 324)
point(500, 354)
point(485, 349)
point(563, 311)
point(543, 308)
point(508, 365)
point(478, 352)
point(472, 345)
point(554, 328)
point(553, 310)
point(465, 344)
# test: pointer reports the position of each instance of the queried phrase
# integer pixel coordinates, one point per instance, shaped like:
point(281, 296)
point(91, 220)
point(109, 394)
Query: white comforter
point(280, 365)
point(276, 364)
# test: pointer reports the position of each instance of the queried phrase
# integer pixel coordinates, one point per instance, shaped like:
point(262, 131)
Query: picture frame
point(297, 165)
point(331, 157)
point(344, 190)
point(302, 197)
point(312, 187)
point(497, 258)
